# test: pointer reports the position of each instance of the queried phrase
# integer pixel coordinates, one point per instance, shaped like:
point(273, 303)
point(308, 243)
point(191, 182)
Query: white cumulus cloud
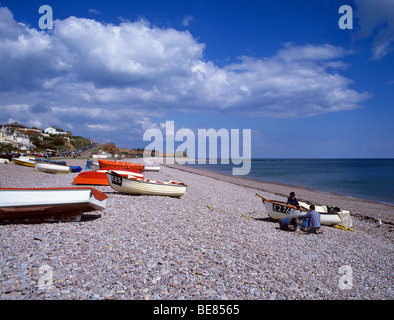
point(103, 76)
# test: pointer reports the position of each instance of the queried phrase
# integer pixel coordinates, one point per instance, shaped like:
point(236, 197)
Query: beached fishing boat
point(2, 160)
point(32, 205)
point(40, 159)
point(119, 165)
point(328, 215)
point(140, 186)
point(25, 161)
point(99, 177)
point(52, 168)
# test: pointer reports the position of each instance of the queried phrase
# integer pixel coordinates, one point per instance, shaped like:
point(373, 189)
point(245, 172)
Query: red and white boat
point(99, 177)
point(121, 165)
point(32, 205)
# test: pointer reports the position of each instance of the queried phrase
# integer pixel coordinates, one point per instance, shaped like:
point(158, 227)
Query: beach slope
point(215, 242)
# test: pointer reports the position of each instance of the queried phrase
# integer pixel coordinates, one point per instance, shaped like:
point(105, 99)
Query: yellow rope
point(245, 216)
point(338, 226)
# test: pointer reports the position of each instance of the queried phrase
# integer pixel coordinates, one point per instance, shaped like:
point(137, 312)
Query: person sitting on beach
point(313, 218)
point(292, 200)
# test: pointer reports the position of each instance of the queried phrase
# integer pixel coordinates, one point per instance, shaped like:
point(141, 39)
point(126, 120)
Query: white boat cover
point(346, 219)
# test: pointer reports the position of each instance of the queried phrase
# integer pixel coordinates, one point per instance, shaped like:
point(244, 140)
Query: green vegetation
point(79, 142)
point(6, 148)
point(53, 142)
point(57, 142)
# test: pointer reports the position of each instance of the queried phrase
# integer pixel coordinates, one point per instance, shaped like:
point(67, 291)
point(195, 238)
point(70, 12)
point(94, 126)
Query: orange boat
point(113, 165)
point(121, 165)
point(100, 178)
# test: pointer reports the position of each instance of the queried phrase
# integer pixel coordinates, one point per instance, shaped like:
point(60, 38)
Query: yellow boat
point(25, 161)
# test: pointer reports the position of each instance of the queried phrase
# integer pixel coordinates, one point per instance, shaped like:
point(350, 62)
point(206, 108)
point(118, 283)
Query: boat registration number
point(278, 208)
point(117, 180)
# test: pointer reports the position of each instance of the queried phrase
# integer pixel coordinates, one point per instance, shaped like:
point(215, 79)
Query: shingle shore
point(147, 247)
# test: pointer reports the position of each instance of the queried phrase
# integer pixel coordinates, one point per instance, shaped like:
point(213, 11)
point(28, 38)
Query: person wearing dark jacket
point(292, 200)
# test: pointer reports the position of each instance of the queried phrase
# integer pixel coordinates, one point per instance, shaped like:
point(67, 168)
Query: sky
point(286, 70)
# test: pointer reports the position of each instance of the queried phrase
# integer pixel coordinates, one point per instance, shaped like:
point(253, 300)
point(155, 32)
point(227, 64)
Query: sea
point(369, 179)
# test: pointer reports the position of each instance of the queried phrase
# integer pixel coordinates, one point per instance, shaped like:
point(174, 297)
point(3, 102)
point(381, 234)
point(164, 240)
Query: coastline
point(216, 242)
point(357, 206)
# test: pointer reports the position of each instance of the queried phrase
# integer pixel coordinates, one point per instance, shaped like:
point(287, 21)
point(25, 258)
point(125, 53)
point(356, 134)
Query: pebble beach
point(214, 243)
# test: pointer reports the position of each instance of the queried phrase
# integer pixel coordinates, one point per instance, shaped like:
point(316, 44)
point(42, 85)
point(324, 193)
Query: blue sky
point(110, 70)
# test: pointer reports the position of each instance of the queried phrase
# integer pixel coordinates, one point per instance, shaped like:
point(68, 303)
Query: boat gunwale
point(99, 195)
point(136, 179)
point(282, 203)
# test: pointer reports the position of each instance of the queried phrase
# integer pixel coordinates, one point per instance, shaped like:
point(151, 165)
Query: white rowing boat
point(133, 185)
point(27, 205)
point(328, 215)
point(52, 167)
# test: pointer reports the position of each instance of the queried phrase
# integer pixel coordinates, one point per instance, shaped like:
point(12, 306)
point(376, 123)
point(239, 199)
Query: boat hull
point(278, 210)
point(145, 187)
point(120, 165)
point(52, 168)
point(99, 178)
point(36, 205)
point(38, 159)
point(24, 162)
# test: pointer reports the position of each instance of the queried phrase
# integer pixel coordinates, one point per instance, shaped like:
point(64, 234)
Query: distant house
point(11, 134)
point(34, 133)
point(54, 130)
point(102, 155)
point(3, 133)
point(23, 141)
point(36, 129)
point(15, 125)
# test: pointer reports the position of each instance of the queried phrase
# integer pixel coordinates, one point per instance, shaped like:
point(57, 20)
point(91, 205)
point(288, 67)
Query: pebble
point(150, 248)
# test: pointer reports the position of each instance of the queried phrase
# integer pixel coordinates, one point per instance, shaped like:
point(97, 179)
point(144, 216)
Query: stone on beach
point(152, 247)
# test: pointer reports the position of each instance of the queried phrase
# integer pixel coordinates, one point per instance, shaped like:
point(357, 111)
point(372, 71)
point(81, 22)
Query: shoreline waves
point(214, 243)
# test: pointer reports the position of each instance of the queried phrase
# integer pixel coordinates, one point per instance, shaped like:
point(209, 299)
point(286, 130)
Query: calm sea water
point(371, 179)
